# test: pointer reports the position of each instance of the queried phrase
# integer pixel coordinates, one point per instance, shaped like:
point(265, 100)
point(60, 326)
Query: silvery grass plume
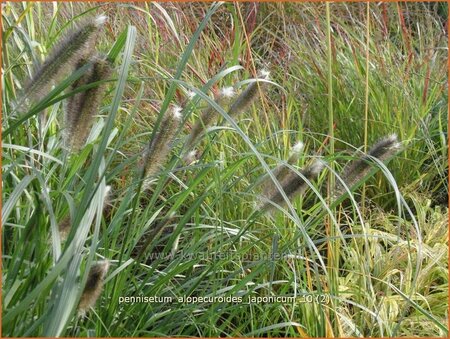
point(249, 95)
point(293, 185)
point(74, 46)
point(93, 287)
point(281, 171)
point(82, 107)
point(356, 170)
point(209, 116)
point(159, 148)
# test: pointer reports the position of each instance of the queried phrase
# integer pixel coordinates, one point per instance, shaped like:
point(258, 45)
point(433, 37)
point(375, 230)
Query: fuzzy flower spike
point(281, 171)
point(249, 95)
point(293, 185)
point(209, 116)
point(76, 45)
point(93, 287)
point(159, 149)
point(82, 107)
point(356, 170)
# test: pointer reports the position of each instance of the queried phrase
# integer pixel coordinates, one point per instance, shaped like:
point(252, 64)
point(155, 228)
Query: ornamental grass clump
point(93, 287)
point(356, 170)
point(82, 107)
point(159, 148)
point(75, 46)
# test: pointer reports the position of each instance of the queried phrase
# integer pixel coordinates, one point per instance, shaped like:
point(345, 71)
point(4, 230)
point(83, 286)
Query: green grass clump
point(155, 222)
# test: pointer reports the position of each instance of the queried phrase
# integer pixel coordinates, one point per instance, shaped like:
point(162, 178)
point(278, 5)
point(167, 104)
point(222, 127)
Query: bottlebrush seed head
point(281, 171)
point(208, 117)
point(357, 169)
point(385, 147)
point(76, 45)
point(294, 185)
point(159, 149)
point(82, 107)
point(93, 287)
point(249, 95)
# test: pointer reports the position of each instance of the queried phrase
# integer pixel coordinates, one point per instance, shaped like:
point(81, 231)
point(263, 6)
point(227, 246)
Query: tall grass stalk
point(366, 96)
point(333, 249)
